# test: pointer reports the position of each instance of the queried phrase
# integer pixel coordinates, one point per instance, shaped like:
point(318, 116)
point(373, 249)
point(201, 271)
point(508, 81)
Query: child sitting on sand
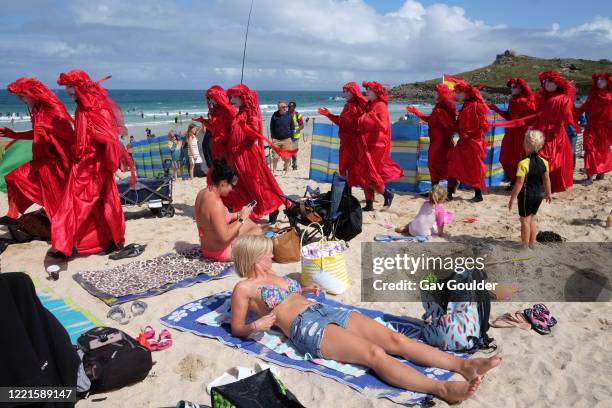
point(532, 185)
point(431, 213)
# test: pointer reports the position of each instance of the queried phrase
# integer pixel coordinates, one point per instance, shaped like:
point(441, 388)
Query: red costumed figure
point(220, 115)
point(375, 131)
point(466, 161)
point(521, 104)
point(555, 111)
point(598, 131)
point(41, 180)
point(441, 130)
point(90, 217)
point(245, 154)
point(350, 138)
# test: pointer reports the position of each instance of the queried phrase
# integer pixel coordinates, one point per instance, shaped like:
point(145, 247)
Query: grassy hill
point(505, 66)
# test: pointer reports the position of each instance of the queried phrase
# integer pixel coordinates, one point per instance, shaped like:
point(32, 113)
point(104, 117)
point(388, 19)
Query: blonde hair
point(248, 250)
point(534, 140)
point(191, 126)
point(437, 194)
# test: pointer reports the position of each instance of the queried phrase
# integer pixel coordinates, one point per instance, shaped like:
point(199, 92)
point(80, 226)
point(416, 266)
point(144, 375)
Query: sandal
point(148, 332)
point(508, 321)
point(138, 308)
point(541, 319)
point(128, 251)
point(117, 313)
point(164, 340)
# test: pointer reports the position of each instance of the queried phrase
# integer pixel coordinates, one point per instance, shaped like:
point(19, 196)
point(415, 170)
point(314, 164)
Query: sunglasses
point(513, 86)
point(283, 106)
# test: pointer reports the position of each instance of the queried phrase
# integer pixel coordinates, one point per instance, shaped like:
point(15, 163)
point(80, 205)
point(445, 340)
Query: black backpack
point(350, 222)
point(116, 364)
point(261, 390)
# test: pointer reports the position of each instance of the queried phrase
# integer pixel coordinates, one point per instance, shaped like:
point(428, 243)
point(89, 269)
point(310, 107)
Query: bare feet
point(477, 367)
point(456, 391)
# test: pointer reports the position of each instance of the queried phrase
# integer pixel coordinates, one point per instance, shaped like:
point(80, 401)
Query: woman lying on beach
point(217, 227)
point(322, 331)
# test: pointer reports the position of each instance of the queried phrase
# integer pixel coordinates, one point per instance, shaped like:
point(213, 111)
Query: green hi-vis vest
point(296, 124)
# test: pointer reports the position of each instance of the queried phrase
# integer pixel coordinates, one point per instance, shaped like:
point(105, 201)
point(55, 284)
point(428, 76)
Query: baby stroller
point(155, 191)
point(337, 211)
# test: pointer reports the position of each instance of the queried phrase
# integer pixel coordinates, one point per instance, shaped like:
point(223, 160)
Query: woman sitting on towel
point(322, 331)
point(217, 227)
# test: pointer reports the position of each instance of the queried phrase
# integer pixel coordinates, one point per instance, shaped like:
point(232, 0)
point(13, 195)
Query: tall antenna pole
point(246, 37)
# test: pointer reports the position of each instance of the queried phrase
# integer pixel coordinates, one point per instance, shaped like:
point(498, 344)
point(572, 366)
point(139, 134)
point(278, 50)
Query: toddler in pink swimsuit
point(430, 214)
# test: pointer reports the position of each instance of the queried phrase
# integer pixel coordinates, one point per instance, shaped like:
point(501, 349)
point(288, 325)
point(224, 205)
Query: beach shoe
point(117, 313)
point(540, 318)
point(128, 251)
point(138, 308)
point(510, 320)
point(148, 332)
point(164, 340)
point(600, 176)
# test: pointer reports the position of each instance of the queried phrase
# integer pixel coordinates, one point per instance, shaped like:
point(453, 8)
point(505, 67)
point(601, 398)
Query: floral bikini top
point(273, 296)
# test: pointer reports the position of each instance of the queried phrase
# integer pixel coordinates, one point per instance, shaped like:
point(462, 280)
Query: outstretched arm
point(418, 113)
point(500, 112)
point(11, 134)
point(335, 119)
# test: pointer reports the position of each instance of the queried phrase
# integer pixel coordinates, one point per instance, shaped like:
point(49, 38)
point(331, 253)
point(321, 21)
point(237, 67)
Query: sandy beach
point(569, 368)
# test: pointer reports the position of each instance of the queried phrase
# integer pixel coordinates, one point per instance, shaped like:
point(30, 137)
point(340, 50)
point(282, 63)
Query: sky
point(301, 45)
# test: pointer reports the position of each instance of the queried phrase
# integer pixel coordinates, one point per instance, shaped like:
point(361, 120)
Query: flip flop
point(128, 251)
point(536, 324)
point(470, 220)
point(117, 313)
point(138, 308)
point(511, 320)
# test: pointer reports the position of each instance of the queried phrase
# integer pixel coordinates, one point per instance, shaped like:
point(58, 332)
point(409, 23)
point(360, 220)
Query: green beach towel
point(14, 155)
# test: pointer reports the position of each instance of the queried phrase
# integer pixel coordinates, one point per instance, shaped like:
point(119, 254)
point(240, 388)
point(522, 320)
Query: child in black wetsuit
point(532, 185)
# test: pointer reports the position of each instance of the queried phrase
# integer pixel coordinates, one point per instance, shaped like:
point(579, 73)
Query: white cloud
point(318, 44)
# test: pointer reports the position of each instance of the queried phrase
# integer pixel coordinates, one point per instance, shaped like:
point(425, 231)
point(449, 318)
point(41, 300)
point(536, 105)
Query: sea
point(157, 108)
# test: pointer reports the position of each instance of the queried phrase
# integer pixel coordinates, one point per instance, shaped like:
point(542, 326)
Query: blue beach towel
point(208, 317)
point(397, 238)
point(75, 320)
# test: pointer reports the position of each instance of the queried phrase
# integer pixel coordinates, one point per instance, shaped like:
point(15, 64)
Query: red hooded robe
point(90, 217)
point(441, 129)
point(512, 149)
point(41, 180)
point(466, 160)
point(555, 111)
point(348, 134)
point(376, 166)
point(244, 154)
point(598, 132)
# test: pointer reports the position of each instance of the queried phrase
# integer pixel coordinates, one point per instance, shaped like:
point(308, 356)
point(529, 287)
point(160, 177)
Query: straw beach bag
point(324, 263)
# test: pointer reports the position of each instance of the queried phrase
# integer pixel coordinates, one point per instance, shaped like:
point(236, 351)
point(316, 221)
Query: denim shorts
point(306, 331)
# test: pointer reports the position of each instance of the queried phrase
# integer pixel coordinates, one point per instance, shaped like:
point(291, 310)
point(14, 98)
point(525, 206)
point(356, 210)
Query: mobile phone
point(253, 203)
point(104, 340)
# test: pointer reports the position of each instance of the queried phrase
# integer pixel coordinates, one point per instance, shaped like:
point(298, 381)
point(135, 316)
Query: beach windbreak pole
point(246, 37)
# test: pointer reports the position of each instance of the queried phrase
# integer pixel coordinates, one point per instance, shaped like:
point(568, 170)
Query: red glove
point(412, 109)
point(491, 106)
point(6, 132)
point(324, 111)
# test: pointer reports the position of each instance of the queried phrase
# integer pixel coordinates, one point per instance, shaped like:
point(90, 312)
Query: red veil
point(220, 114)
point(598, 132)
point(466, 158)
point(90, 216)
point(441, 130)
point(521, 105)
point(245, 155)
point(347, 123)
point(41, 180)
point(376, 166)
